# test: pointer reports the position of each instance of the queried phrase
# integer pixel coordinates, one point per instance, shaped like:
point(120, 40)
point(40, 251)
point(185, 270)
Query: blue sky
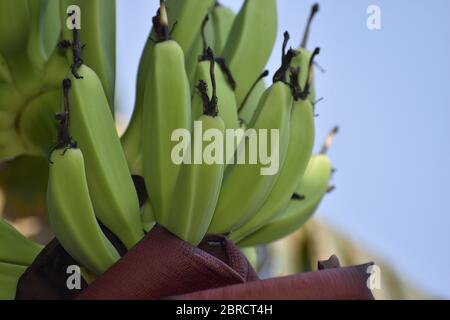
point(389, 92)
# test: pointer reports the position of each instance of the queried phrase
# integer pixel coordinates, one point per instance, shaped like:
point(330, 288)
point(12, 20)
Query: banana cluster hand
point(200, 77)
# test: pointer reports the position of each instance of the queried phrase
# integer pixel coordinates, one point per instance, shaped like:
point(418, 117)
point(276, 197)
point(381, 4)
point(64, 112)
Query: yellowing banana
point(301, 141)
point(250, 43)
point(15, 248)
point(9, 277)
point(167, 107)
point(71, 214)
point(110, 185)
point(310, 192)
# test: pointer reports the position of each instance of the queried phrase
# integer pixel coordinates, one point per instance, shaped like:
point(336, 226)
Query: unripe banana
point(15, 248)
point(13, 26)
point(250, 43)
point(252, 256)
point(45, 30)
point(249, 105)
point(9, 277)
point(245, 186)
point(198, 185)
point(167, 107)
point(110, 185)
point(188, 16)
point(71, 214)
point(98, 31)
point(312, 188)
point(222, 19)
point(36, 123)
point(301, 141)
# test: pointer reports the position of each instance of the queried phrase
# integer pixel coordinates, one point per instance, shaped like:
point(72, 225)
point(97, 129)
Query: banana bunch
point(33, 63)
point(200, 77)
point(16, 254)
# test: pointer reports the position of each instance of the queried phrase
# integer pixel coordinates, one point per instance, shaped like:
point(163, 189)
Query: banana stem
point(329, 140)
point(161, 22)
point(64, 140)
point(286, 59)
point(205, 45)
point(260, 77)
point(309, 78)
point(314, 10)
point(209, 105)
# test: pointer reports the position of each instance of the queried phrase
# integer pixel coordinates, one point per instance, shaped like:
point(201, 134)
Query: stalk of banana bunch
point(246, 186)
point(301, 141)
point(166, 108)
point(304, 201)
point(71, 209)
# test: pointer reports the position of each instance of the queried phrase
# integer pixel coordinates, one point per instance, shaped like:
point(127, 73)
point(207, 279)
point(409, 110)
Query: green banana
point(188, 16)
point(148, 216)
point(245, 187)
point(252, 256)
point(98, 31)
point(250, 42)
point(45, 30)
point(15, 248)
point(302, 61)
point(222, 19)
point(167, 107)
point(198, 185)
point(313, 187)
point(110, 185)
point(5, 73)
point(36, 123)
point(203, 38)
point(9, 277)
point(13, 26)
point(301, 141)
point(71, 213)
point(249, 105)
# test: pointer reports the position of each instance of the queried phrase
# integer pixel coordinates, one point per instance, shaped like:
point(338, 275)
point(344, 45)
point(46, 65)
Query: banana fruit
point(13, 26)
point(301, 141)
point(163, 113)
point(15, 248)
point(110, 185)
point(9, 277)
point(45, 30)
point(71, 213)
point(222, 19)
point(198, 185)
point(186, 18)
point(311, 190)
point(246, 186)
point(250, 42)
point(98, 32)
